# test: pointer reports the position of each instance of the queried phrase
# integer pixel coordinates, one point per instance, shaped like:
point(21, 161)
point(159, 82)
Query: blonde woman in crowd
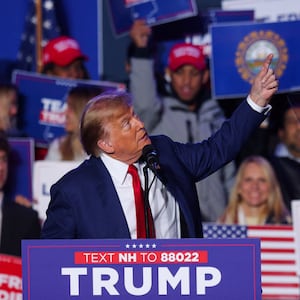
point(255, 198)
point(68, 147)
point(9, 110)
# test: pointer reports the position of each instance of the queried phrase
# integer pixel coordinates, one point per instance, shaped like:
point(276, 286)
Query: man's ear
point(105, 146)
point(205, 76)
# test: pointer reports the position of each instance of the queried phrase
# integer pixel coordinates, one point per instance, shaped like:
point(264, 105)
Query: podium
point(148, 269)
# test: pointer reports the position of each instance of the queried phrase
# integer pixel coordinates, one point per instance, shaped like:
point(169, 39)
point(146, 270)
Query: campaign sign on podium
point(151, 269)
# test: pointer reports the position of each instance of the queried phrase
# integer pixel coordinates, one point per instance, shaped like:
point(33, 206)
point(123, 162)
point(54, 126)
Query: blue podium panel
point(151, 269)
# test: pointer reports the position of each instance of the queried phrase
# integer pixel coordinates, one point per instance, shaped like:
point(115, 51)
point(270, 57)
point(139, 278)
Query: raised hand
point(140, 33)
point(265, 84)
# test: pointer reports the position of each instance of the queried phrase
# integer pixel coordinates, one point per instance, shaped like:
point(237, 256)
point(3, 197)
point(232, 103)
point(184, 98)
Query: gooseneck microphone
point(150, 156)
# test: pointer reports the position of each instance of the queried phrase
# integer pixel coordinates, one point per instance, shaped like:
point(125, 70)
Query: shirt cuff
point(265, 109)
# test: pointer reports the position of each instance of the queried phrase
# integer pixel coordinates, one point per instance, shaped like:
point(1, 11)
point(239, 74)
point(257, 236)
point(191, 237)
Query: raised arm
point(140, 33)
point(146, 101)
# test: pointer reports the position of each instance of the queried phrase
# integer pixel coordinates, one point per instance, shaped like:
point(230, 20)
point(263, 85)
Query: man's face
point(186, 81)
point(3, 168)
point(73, 71)
point(126, 135)
point(290, 134)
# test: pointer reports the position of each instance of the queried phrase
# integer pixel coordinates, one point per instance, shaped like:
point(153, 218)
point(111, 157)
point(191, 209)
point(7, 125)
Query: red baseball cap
point(186, 54)
point(62, 51)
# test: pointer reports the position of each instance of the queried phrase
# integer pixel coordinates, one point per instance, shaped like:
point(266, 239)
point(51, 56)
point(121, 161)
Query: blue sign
point(43, 103)
point(221, 16)
point(239, 49)
point(19, 181)
point(124, 12)
point(151, 269)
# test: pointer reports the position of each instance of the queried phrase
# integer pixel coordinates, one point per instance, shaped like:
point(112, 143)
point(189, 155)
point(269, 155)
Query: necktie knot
point(132, 170)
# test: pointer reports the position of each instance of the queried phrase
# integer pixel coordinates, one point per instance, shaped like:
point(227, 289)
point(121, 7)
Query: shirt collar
point(117, 169)
point(282, 151)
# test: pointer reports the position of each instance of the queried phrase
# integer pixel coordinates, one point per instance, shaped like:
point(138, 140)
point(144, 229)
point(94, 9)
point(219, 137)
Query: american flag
point(278, 256)
point(50, 29)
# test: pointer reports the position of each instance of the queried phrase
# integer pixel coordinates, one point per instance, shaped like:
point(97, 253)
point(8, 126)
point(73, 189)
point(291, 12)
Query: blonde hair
point(97, 116)
point(275, 209)
point(8, 94)
point(70, 145)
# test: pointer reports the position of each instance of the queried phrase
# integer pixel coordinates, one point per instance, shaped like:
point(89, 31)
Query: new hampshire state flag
point(238, 50)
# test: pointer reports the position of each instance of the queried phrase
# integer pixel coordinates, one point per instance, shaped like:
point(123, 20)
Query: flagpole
point(39, 34)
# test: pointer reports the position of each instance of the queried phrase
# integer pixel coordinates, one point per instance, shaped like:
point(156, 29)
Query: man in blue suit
point(96, 200)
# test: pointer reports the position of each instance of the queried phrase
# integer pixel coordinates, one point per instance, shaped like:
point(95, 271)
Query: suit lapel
point(108, 197)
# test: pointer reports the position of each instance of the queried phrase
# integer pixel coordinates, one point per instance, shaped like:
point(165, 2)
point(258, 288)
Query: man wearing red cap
point(63, 57)
point(184, 112)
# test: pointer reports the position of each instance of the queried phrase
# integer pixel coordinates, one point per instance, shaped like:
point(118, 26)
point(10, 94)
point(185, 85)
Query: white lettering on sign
point(74, 274)
point(106, 279)
point(53, 112)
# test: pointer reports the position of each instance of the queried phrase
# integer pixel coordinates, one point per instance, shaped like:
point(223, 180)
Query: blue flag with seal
point(238, 51)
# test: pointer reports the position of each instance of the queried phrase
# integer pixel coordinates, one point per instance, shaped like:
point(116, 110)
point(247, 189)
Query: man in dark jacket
point(286, 158)
point(17, 222)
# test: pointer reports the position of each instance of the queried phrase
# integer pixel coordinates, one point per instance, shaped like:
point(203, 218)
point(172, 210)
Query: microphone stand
point(146, 201)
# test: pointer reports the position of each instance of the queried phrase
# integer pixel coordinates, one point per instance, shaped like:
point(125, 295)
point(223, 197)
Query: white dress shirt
point(265, 110)
point(165, 210)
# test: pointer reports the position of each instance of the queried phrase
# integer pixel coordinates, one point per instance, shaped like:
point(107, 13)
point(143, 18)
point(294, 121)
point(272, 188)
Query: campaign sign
point(221, 16)
point(10, 277)
point(124, 12)
point(239, 49)
point(151, 269)
point(19, 181)
point(267, 11)
point(43, 102)
point(45, 174)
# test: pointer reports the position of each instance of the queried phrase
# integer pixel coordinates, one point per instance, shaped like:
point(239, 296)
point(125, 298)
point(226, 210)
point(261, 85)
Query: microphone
point(150, 156)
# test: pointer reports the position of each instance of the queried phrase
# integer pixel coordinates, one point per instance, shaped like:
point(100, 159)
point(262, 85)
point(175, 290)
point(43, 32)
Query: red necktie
point(140, 206)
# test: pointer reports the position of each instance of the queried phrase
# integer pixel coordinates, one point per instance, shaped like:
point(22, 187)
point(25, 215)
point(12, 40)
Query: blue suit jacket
point(84, 203)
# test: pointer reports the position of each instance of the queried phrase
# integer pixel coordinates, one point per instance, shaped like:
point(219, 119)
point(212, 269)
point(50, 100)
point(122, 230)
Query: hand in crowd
point(23, 201)
point(265, 84)
point(140, 33)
